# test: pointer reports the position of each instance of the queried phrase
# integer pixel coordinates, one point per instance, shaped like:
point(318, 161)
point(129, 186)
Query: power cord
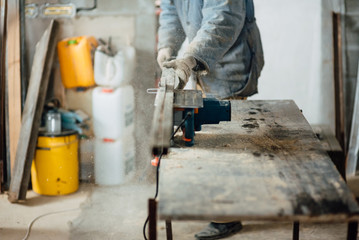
point(43, 215)
point(189, 114)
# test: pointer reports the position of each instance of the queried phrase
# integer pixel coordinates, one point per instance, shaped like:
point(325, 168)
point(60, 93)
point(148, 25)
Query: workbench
point(265, 164)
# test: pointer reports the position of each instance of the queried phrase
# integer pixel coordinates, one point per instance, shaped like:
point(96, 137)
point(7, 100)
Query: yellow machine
point(55, 169)
point(76, 61)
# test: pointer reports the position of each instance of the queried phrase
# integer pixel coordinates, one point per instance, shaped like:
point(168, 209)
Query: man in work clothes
point(224, 51)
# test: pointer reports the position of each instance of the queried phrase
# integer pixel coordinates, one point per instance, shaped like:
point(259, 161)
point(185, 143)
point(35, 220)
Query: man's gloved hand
point(183, 69)
point(164, 54)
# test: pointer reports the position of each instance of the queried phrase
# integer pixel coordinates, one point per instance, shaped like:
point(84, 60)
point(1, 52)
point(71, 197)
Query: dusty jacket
point(222, 35)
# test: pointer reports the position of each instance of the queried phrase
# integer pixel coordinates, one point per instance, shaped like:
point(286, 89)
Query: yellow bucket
point(55, 168)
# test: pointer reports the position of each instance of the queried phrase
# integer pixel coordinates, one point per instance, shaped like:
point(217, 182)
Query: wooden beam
point(331, 145)
point(162, 122)
point(23, 66)
point(2, 93)
point(14, 79)
point(340, 130)
point(39, 79)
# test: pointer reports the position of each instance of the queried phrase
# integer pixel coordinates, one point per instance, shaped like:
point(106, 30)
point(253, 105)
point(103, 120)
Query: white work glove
point(164, 54)
point(183, 69)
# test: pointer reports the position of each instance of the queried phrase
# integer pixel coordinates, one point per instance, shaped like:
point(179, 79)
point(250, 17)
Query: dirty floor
point(119, 213)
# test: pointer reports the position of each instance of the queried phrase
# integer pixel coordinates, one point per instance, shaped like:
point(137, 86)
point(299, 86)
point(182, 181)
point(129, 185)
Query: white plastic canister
point(114, 160)
point(113, 112)
point(114, 71)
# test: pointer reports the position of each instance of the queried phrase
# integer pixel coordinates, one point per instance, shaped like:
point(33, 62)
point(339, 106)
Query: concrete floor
point(119, 213)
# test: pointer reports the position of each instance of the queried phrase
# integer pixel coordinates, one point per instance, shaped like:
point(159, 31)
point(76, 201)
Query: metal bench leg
point(296, 231)
point(152, 224)
point(169, 229)
point(352, 231)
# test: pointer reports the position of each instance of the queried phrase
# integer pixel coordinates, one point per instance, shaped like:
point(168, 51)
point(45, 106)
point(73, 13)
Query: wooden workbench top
point(266, 164)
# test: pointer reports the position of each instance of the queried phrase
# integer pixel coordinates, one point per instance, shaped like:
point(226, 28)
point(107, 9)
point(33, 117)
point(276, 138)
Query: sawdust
point(235, 142)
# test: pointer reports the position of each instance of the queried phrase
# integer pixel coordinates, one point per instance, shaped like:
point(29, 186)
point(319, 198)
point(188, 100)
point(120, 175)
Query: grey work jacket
point(222, 35)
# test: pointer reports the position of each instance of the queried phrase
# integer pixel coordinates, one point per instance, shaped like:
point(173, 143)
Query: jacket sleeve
point(222, 23)
point(170, 32)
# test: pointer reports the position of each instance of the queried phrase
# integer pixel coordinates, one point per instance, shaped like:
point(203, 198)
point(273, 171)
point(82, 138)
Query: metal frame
point(351, 233)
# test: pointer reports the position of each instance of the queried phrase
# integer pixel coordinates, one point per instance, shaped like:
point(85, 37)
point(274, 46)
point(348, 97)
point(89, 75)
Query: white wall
point(126, 22)
point(297, 64)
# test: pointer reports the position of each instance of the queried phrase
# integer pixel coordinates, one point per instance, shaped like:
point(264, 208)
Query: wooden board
point(331, 145)
point(266, 164)
point(326, 138)
point(3, 17)
point(162, 126)
point(353, 184)
point(340, 126)
point(13, 76)
point(41, 67)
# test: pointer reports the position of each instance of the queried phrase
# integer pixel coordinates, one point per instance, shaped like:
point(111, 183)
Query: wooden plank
point(162, 124)
point(157, 135)
point(3, 92)
point(266, 164)
point(331, 145)
point(353, 184)
point(23, 67)
point(327, 138)
point(1, 176)
point(13, 75)
point(34, 104)
point(340, 127)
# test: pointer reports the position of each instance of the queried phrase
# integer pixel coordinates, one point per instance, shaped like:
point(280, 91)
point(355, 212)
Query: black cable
point(144, 228)
point(157, 180)
point(189, 114)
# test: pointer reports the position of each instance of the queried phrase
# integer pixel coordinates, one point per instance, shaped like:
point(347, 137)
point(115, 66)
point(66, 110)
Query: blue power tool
point(177, 107)
point(212, 112)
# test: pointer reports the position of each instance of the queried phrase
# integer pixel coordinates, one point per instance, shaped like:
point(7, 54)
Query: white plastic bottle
point(113, 112)
point(114, 160)
point(115, 71)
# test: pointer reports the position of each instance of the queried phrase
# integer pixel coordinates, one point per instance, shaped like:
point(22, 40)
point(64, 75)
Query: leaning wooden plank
point(157, 121)
point(353, 151)
point(3, 155)
point(34, 103)
point(23, 63)
point(14, 79)
point(162, 118)
point(340, 128)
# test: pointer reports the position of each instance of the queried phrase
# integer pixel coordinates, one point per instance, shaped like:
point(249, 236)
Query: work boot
point(219, 230)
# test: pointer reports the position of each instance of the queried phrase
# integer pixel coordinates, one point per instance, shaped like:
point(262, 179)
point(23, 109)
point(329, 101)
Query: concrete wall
point(297, 40)
point(127, 22)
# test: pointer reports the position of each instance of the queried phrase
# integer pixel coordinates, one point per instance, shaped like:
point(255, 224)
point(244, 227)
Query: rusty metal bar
point(352, 231)
point(296, 231)
point(169, 230)
point(152, 224)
